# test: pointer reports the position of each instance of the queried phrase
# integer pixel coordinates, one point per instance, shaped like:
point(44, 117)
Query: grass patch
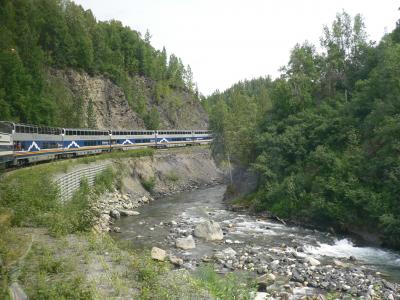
point(231, 286)
point(46, 276)
point(148, 184)
point(119, 154)
point(246, 200)
point(172, 176)
point(32, 196)
point(73, 216)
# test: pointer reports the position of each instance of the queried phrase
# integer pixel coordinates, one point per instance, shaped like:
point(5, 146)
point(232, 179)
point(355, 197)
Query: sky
point(225, 41)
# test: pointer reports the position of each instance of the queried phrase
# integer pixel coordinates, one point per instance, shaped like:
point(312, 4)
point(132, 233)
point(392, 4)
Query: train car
point(6, 144)
point(202, 137)
point(127, 139)
point(79, 142)
point(36, 143)
point(170, 138)
point(22, 144)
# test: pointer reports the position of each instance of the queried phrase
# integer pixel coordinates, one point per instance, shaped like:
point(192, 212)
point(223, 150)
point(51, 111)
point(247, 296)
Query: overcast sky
point(225, 41)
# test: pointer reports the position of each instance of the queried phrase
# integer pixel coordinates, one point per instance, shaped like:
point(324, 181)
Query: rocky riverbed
point(143, 179)
point(287, 262)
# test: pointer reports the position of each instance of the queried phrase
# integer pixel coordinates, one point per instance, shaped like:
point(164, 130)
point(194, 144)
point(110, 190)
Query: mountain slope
point(59, 66)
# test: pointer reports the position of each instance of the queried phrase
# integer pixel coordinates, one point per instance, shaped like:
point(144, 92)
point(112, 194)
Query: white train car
point(22, 144)
point(6, 144)
point(128, 139)
point(174, 138)
point(79, 142)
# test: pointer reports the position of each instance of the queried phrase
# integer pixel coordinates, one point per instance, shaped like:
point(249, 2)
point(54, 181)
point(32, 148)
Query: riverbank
point(180, 189)
point(288, 262)
point(48, 250)
point(143, 180)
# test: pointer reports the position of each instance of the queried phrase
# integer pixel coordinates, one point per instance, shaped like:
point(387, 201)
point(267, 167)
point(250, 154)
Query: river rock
point(158, 254)
point(144, 199)
point(390, 297)
point(176, 260)
point(224, 254)
point(312, 261)
point(115, 214)
point(209, 230)
point(265, 280)
point(185, 243)
point(338, 263)
point(125, 212)
point(260, 296)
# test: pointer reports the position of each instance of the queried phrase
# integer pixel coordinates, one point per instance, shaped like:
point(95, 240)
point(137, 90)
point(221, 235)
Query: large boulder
point(185, 243)
point(209, 230)
point(125, 212)
point(158, 254)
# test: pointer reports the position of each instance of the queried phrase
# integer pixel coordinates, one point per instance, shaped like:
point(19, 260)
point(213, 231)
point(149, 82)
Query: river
point(160, 222)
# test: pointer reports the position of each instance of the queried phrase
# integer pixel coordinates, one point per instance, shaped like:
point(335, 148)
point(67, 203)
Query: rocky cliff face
point(111, 108)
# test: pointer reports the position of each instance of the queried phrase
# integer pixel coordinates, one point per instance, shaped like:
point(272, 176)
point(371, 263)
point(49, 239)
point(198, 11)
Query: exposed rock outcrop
point(177, 109)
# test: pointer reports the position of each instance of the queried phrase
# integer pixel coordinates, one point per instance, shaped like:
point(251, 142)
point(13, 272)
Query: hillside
point(323, 137)
point(59, 66)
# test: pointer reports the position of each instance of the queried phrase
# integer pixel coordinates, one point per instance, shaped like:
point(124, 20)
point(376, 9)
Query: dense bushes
point(32, 198)
point(326, 145)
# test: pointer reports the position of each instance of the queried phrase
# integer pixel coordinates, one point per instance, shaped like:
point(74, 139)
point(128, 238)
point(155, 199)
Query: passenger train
point(22, 144)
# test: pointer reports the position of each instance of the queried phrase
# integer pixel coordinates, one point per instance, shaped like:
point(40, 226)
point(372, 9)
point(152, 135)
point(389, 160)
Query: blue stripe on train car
point(199, 138)
point(133, 141)
point(125, 142)
point(145, 140)
point(75, 144)
point(34, 146)
point(174, 139)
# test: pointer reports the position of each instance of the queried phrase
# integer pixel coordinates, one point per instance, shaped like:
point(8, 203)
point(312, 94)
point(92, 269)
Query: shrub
point(148, 184)
point(172, 176)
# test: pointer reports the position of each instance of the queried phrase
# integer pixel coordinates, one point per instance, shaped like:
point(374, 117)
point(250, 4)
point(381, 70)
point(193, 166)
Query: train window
point(5, 127)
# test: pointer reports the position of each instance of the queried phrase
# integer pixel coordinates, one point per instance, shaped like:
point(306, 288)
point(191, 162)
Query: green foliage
point(30, 194)
point(233, 118)
point(148, 183)
point(36, 35)
point(33, 199)
point(231, 286)
point(75, 215)
point(44, 267)
point(326, 145)
point(172, 176)
point(152, 119)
